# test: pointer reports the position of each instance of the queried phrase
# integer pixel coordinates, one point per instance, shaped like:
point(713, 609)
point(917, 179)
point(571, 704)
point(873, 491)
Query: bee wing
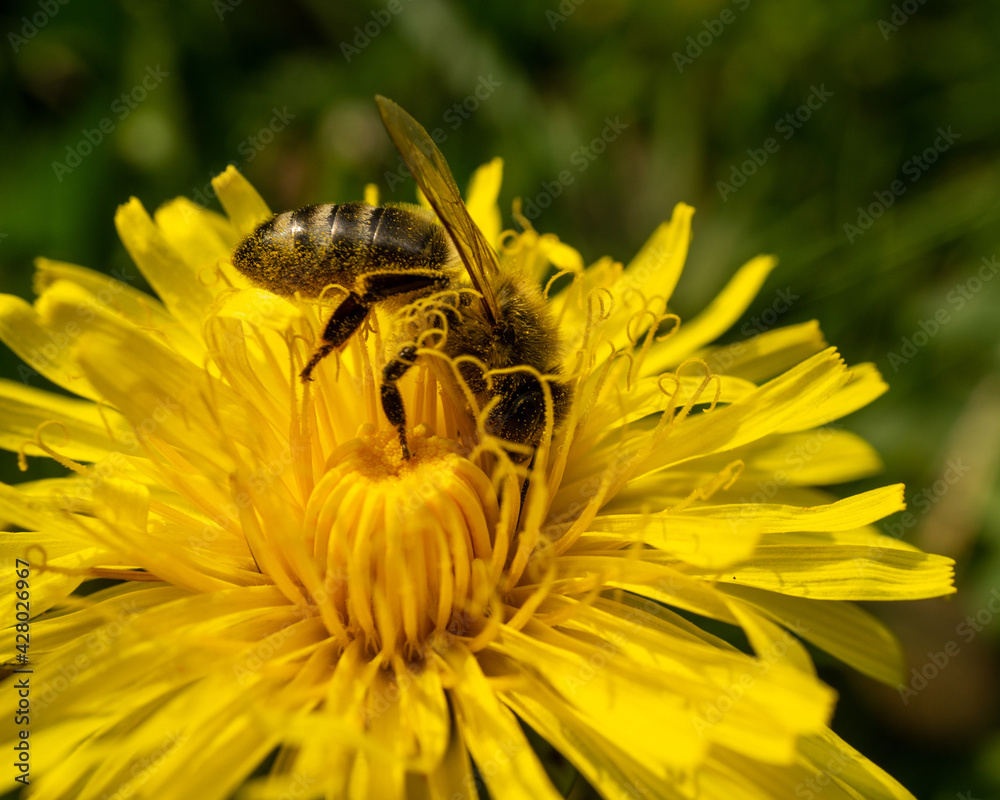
point(435, 180)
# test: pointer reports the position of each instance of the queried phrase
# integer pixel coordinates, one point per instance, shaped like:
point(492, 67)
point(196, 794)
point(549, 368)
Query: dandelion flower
point(300, 612)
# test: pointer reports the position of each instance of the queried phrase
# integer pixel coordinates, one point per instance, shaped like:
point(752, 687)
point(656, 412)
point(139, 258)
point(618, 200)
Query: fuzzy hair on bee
point(388, 257)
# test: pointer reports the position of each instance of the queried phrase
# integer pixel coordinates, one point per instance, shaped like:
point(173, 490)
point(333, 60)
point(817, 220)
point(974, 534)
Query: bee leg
point(392, 401)
point(343, 322)
point(371, 288)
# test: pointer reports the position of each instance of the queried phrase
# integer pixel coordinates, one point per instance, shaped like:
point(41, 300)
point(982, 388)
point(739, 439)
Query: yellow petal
point(716, 319)
point(175, 282)
point(776, 647)
point(611, 770)
point(829, 756)
point(498, 746)
point(46, 351)
point(481, 199)
point(607, 692)
point(201, 245)
point(698, 539)
point(633, 298)
point(769, 354)
point(74, 428)
point(619, 406)
point(244, 206)
point(454, 777)
point(113, 293)
point(164, 395)
point(864, 386)
point(842, 572)
point(851, 512)
point(843, 630)
point(424, 711)
point(812, 458)
point(657, 266)
point(759, 413)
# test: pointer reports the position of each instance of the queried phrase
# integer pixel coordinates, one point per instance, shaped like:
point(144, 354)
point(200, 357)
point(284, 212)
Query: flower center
point(406, 548)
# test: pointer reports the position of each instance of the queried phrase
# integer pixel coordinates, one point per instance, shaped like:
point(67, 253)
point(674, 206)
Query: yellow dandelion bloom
point(302, 613)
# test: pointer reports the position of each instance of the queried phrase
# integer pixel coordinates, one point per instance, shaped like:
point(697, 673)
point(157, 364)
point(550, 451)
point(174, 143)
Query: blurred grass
point(234, 68)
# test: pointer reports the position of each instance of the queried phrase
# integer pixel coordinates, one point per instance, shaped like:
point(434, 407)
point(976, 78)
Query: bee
point(390, 256)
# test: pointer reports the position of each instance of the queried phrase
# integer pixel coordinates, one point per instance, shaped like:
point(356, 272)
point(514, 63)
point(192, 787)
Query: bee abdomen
point(310, 248)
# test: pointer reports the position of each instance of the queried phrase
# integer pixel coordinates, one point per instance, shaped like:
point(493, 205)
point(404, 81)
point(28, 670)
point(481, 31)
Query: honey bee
point(389, 256)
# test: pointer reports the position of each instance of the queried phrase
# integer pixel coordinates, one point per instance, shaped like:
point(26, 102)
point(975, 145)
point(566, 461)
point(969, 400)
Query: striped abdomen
point(308, 249)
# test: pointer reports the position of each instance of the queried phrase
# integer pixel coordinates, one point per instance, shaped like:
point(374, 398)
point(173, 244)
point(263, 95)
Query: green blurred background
point(862, 102)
